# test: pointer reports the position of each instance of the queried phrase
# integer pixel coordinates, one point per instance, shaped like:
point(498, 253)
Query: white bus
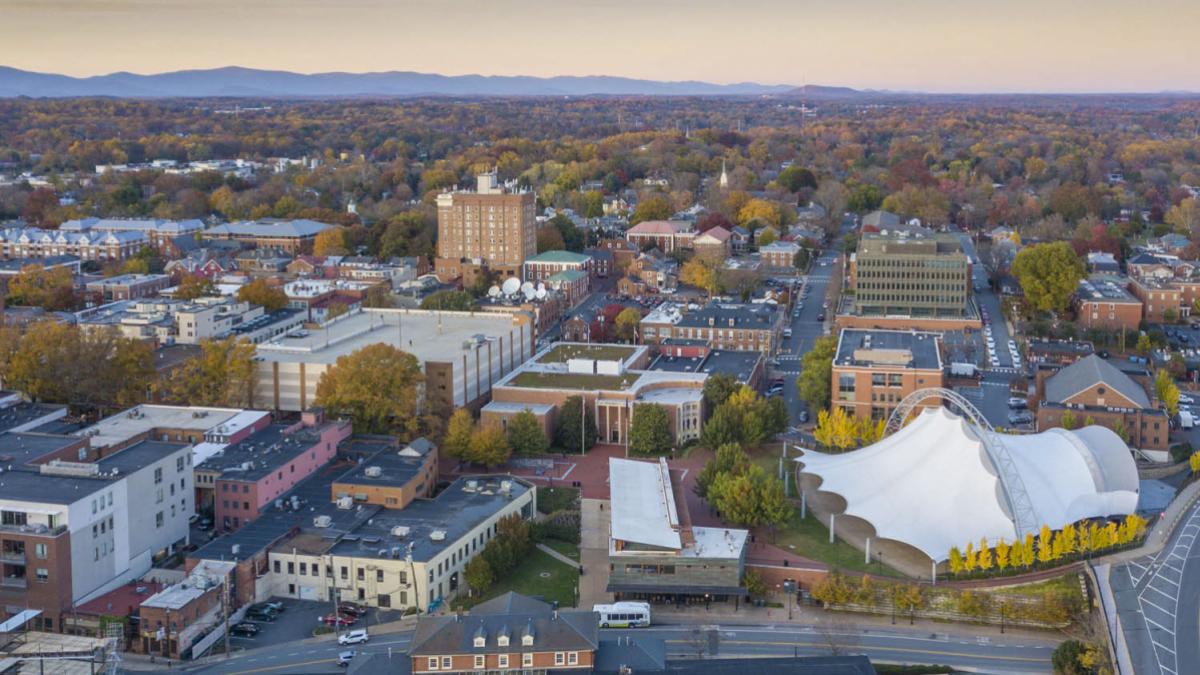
point(623, 614)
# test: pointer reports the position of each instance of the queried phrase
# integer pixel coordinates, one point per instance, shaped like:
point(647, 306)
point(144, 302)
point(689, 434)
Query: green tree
point(736, 496)
point(774, 508)
point(755, 586)
point(478, 574)
point(489, 447)
point(816, 371)
point(525, 434)
point(864, 197)
point(567, 432)
point(795, 178)
point(457, 441)
point(259, 292)
point(1069, 420)
point(650, 430)
point(194, 286)
point(450, 301)
point(800, 260)
point(729, 458)
point(1049, 274)
point(1167, 391)
point(376, 386)
point(1066, 658)
point(718, 387)
point(723, 426)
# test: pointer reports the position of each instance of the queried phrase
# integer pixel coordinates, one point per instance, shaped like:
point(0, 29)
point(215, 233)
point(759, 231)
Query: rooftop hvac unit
point(506, 486)
point(437, 535)
point(322, 521)
point(236, 549)
point(400, 531)
point(374, 472)
point(471, 486)
point(345, 502)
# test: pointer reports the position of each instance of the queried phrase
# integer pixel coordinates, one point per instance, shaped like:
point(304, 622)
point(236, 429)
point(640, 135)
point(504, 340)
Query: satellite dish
point(527, 288)
point(541, 286)
point(494, 292)
point(541, 292)
point(511, 286)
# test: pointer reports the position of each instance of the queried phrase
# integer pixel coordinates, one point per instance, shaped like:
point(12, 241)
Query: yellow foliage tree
point(871, 432)
point(985, 555)
point(1070, 538)
point(702, 276)
point(760, 210)
point(956, 560)
point(836, 429)
point(1002, 554)
point(1056, 548)
point(1045, 550)
point(1084, 538)
point(1027, 552)
point(1194, 462)
point(969, 558)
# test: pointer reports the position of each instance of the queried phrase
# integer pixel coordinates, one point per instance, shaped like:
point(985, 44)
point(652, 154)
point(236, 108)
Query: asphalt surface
point(988, 301)
point(1158, 601)
point(1019, 654)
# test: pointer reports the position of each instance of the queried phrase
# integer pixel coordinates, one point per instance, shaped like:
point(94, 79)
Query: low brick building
point(1094, 389)
point(873, 370)
point(1104, 302)
point(739, 327)
point(392, 478)
point(128, 287)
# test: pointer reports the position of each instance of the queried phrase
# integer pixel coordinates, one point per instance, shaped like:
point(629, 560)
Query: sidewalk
point(807, 615)
point(557, 556)
point(593, 553)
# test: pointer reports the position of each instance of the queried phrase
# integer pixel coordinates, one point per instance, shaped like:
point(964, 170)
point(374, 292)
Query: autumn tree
point(654, 207)
point(1167, 391)
point(192, 286)
point(718, 387)
point(376, 386)
point(259, 292)
point(223, 374)
point(479, 575)
point(835, 429)
point(729, 458)
point(457, 440)
point(760, 211)
point(650, 430)
point(331, 242)
point(489, 447)
point(1185, 217)
point(833, 197)
point(46, 364)
point(700, 274)
point(51, 289)
point(627, 324)
point(525, 435)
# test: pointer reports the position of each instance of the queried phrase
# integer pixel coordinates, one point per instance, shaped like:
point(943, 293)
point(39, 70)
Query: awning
point(16, 622)
point(665, 589)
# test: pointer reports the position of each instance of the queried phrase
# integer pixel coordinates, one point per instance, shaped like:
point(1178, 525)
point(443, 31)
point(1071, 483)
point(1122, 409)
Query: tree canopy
point(1049, 275)
point(376, 386)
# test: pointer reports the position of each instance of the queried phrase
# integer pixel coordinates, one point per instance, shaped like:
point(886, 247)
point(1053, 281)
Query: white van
point(353, 637)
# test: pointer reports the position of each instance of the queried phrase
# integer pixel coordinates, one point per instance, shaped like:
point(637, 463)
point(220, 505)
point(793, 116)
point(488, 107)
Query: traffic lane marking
point(284, 666)
point(825, 645)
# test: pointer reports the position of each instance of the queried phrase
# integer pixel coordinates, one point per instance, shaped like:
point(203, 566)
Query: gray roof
point(881, 219)
point(270, 228)
point(857, 347)
point(1089, 371)
point(511, 614)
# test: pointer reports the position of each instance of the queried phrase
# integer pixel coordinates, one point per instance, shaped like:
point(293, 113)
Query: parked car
point(1017, 402)
point(1016, 418)
point(274, 606)
point(803, 416)
point(1184, 398)
point(339, 620)
point(354, 637)
point(821, 316)
point(244, 629)
point(344, 658)
point(347, 607)
point(261, 614)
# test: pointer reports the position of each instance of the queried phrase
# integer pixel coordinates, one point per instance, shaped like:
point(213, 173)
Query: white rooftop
point(643, 505)
point(125, 425)
point(427, 335)
point(717, 542)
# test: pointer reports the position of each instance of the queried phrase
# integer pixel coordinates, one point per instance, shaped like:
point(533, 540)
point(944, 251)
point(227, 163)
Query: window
point(433, 663)
point(445, 663)
point(303, 569)
point(379, 576)
point(158, 519)
point(43, 575)
point(572, 658)
point(277, 566)
point(345, 572)
point(384, 601)
point(504, 660)
point(559, 658)
point(39, 550)
point(502, 641)
point(479, 660)
point(480, 641)
point(291, 568)
point(179, 464)
point(527, 659)
point(158, 475)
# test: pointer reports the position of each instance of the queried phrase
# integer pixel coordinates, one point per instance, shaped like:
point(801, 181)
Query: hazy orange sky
point(929, 45)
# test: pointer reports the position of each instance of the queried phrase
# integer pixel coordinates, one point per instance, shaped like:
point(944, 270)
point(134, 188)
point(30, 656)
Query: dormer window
point(502, 641)
point(526, 640)
point(480, 642)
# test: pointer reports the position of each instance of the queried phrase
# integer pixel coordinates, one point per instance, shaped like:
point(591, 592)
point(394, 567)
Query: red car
point(339, 619)
point(351, 609)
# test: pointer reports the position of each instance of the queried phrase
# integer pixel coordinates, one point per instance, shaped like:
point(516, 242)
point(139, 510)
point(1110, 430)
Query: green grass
point(569, 549)
point(810, 538)
point(527, 579)
point(543, 380)
point(550, 500)
point(1067, 583)
point(562, 353)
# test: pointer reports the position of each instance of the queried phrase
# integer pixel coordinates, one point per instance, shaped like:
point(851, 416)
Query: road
point(1018, 654)
point(988, 301)
point(1158, 601)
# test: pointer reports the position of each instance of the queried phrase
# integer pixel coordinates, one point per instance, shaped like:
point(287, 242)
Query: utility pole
point(225, 612)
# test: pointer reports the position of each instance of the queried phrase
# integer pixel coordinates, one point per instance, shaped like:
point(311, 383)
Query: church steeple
point(724, 180)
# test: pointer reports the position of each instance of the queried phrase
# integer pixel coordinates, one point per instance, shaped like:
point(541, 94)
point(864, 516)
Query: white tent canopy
point(931, 484)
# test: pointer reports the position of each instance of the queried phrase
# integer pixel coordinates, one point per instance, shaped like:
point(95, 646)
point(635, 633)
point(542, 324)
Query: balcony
point(14, 582)
point(17, 557)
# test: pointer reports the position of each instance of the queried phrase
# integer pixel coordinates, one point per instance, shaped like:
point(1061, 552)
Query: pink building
point(252, 474)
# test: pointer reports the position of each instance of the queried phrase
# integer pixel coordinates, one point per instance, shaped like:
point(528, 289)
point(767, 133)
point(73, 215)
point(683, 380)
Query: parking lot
point(297, 621)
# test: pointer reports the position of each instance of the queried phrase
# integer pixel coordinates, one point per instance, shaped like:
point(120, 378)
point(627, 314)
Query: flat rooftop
point(888, 348)
point(24, 413)
point(125, 425)
point(261, 453)
point(1105, 289)
point(762, 315)
point(739, 364)
point(139, 455)
point(26, 482)
point(395, 470)
point(427, 335)
point(562, 353)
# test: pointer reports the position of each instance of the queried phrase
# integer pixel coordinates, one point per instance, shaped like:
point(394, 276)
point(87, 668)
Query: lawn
point(539, 576)
point(1067, 583)
point(563, 353)
point(569, 549)
point(809, 538)
point(542, 380)
point(550, 500)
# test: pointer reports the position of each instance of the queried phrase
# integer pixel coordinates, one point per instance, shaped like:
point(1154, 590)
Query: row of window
point(502, 660)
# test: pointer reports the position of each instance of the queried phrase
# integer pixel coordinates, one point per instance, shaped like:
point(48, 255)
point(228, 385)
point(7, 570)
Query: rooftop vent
point(373, 472)
point(400, 531)
point(322, 521)
point(437, 535)
point(345, 502)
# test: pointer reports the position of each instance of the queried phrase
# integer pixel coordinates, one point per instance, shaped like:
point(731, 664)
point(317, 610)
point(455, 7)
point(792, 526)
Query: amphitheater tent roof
point(933, 486)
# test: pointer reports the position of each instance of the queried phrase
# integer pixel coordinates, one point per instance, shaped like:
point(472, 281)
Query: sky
point(964, 46)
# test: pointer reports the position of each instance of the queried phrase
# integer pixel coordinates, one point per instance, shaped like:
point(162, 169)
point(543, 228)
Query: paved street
point(898, 644)
point(1158, 601)
point(988, 301)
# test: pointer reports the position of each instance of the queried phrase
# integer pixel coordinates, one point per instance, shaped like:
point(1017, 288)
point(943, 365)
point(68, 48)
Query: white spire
point(724, 181)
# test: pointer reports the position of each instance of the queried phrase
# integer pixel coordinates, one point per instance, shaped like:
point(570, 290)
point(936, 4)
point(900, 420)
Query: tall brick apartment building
point(873, 370)
point(492, 227)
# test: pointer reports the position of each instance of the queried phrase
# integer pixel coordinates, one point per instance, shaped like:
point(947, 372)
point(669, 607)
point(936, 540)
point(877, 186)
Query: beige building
point(493, 226)
point(911, 276)
point(873, 370)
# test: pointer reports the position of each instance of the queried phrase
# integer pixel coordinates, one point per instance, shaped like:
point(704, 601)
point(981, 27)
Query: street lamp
point(789, 587)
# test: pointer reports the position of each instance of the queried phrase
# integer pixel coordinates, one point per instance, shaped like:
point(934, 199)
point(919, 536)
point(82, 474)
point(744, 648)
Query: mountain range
point(250, 82)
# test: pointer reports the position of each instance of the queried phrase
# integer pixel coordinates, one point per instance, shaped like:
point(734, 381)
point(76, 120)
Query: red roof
point(657, 227)
point(122, 600)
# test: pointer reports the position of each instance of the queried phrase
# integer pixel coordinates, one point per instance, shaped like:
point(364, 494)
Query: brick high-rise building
point(492, 227)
